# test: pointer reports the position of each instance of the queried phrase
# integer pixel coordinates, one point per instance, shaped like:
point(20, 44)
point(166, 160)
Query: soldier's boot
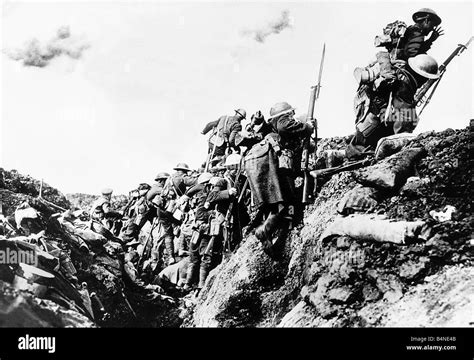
point(279, 246)
point(169, 244)
point(203, 272)
point(265, 231)
point(192, 269)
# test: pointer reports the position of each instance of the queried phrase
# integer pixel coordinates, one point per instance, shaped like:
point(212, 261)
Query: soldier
point(206, 243)
point(139, 212)
point(271, 169)
point(225, 129)
point(402, 43)
point(154, 194)
point(413, 42)
point(174, 202)
point(237, 215)
point(103, 205)
point(381, 120)
point(155, 201)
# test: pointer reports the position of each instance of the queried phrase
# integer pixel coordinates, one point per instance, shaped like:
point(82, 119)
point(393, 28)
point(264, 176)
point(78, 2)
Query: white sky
point(156, 72)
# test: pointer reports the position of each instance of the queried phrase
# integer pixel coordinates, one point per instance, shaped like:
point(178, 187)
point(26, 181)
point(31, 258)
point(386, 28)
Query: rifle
point(352, 165)
point(228, 221)
point(309, 182)
point(420, 97)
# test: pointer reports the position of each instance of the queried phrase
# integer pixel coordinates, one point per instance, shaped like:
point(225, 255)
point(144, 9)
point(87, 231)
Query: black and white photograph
point(237, 164)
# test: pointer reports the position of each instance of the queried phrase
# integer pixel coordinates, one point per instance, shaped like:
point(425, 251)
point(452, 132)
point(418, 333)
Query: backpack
point(392, 35)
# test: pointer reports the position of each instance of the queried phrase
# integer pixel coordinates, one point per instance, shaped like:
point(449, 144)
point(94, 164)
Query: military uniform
point(413, 43)
point(206, 250)
point(141, 212)
point(371, 127)
point(173, 190)
point(227, 127)
point(271, 167)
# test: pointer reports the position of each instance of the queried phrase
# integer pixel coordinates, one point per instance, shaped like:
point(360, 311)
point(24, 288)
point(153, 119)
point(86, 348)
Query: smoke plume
point(36, 54)
point(274, 27)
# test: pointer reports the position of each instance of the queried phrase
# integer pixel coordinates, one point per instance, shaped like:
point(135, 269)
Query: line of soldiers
point(249, 177)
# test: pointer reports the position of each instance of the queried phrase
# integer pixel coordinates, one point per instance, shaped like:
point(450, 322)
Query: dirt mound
point(73, 261)
point(85, 201)
point(26, 185)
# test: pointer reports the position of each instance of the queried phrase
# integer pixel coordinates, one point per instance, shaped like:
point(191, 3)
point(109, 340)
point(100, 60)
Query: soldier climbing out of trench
point(271, 167)
point(384, 103)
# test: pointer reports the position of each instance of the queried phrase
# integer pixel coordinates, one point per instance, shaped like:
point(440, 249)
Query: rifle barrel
point(442, 68)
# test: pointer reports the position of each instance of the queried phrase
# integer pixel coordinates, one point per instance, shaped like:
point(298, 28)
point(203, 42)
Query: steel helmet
point(426, 12)
point(233, 160)
point(424, 65)
point(182, 166)
point(280, 109)
point(161, 176)
point(106, 191)
point(144, 186)
point(242, 113)
point(204, 178)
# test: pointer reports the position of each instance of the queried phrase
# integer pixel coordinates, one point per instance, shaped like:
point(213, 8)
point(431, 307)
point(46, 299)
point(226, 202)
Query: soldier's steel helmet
point(280, 109)
point(233, 160)
point(204, 178)
point(182, 166)
point(161, 176)
point(424, 65)
point(427, 12)
point(144, 186)
point(242, 113)
point(106, 191)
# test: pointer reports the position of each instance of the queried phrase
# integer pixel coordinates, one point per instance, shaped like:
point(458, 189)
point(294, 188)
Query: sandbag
point(175, 272)
point(392, 144)
point(85, 234)
point(374, 228)
point(359, 199)
point(391, 174)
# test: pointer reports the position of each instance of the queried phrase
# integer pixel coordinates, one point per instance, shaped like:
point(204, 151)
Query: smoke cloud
point(274, 27)
point(40, 55)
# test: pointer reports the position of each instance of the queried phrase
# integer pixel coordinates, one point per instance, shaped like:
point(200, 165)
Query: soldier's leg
point(193, 266)
point(168, 239)
point(205, 251)
point(130, 232)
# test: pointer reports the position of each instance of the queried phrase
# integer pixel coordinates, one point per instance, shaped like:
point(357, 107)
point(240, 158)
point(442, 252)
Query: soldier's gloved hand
point(436, 33)
point(232, 191)
point(309, 127)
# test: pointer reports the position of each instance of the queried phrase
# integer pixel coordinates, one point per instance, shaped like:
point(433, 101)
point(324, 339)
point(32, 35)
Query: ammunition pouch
point(215, 226)
point(178, 214)
point(199, 227)
point(368, 125)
